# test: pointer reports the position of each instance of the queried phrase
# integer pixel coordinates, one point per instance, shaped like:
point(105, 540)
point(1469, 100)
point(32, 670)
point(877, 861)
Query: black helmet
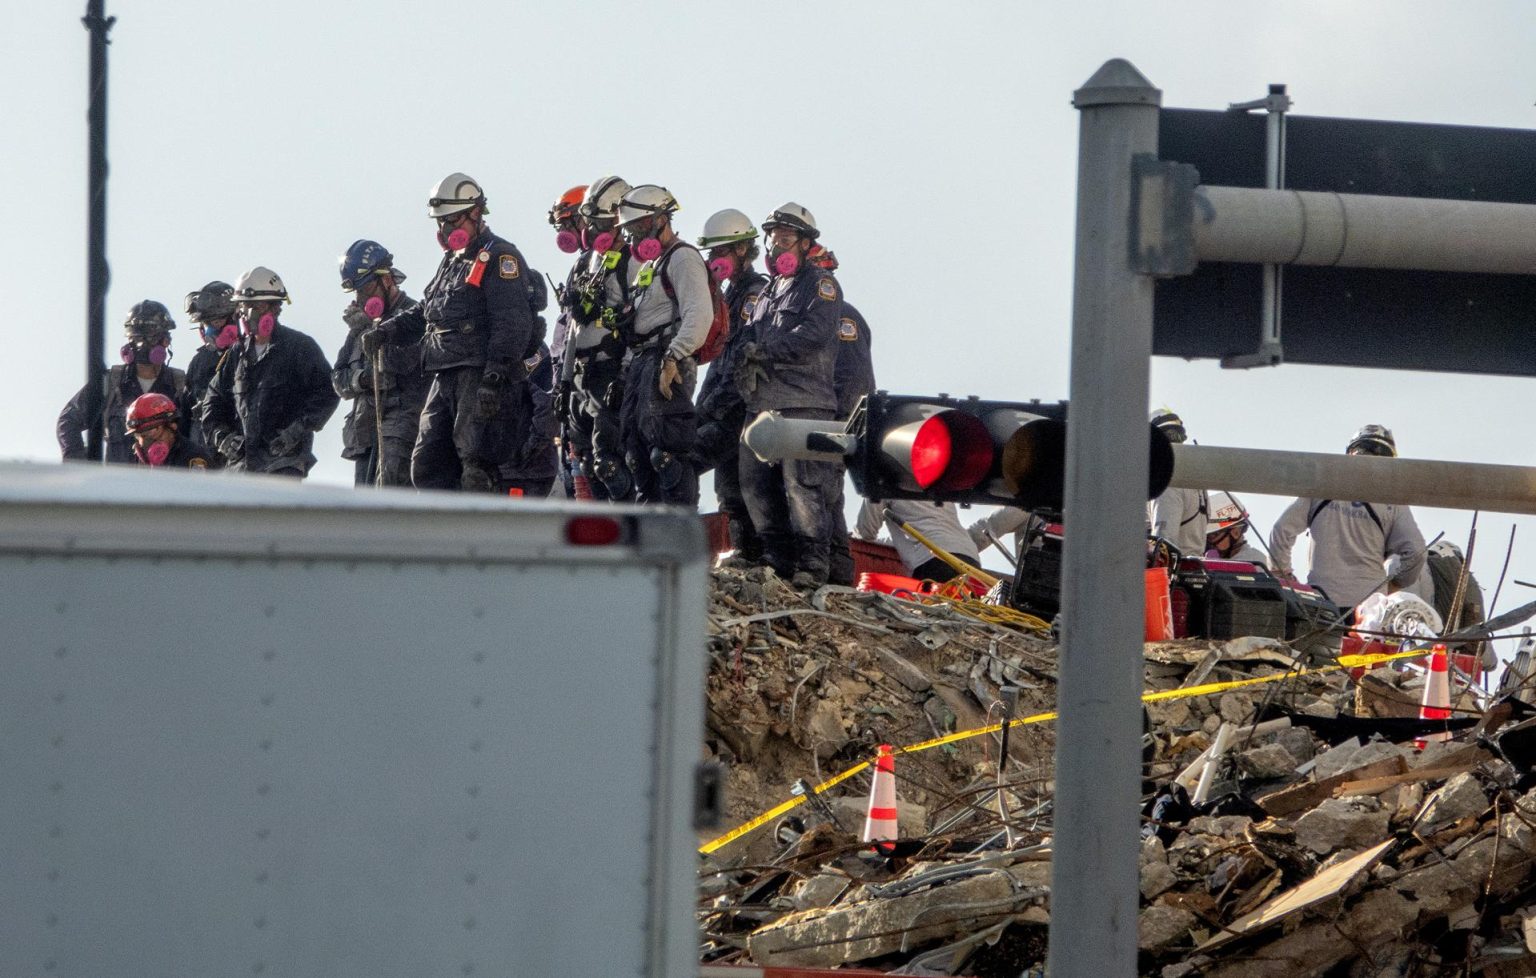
point(1373, 439)
point(212, 301)
point(147, 318)
point(1170, 424)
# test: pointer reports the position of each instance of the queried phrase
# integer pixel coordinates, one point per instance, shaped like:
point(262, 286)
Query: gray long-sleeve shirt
point(1179, 516)
point(940, 524)
point(681, 271)
point(1348, 548)
point(1003, 521)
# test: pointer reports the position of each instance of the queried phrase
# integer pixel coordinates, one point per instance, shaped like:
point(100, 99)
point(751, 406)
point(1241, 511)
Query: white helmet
point(454, 193)
point(792, 215)
point(260, 284)
point(646, 200)
point(1225, 512)
point(603, 196)
point(727, 227)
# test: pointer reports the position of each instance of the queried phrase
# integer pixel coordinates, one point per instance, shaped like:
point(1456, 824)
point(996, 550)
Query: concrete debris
point(1461, 797)
point(1331, 846)
point(1342, 823)
point(1267, 763)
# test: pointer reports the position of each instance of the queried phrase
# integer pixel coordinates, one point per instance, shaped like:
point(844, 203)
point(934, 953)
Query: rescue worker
point(1443, 570)
point(481, 316)
point(1356, 546)
point(853, 378)
point(273, 392)
point(387, 391)
point(939, 522)
point(673, 312)
point(153, 422)
point(565, 218)
point(145, 370)
point(597, 293)
point(729, 242)
point(212, 308)
point(1226, 528)
point(533, 466)
point(990, 530)
point(788, 366)
point(1178, 516)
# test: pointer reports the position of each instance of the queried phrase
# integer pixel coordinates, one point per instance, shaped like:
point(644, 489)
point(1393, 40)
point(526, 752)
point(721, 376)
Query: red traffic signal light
point(972, 451)
point(940, 448)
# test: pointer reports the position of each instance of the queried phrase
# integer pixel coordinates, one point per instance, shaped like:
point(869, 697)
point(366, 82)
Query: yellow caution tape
point(1208, 689)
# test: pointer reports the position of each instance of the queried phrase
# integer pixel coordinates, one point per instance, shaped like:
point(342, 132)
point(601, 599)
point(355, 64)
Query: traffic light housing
point(1004, 453)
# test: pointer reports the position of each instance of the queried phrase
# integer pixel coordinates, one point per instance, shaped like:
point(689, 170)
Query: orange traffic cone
point(583, 487)
point(880, 823)
point(1437, 696)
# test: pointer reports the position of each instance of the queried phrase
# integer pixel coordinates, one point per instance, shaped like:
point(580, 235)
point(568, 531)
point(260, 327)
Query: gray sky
point(935, 143)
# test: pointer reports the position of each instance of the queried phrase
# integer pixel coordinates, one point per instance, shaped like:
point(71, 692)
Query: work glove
point(232, 447)
point(287, 441)
point(487, 400)
point(750, 369)
point(373, 340)
point(667, 377)
point(613, 396)
point(355, 318)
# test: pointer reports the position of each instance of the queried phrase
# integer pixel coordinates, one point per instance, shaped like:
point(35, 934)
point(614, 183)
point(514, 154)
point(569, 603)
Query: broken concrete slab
point(1461, 797)
point(1157, 879)
point(1267, 763)
point(1342, 823)
point(859, 930)
point(1160, 926)
point(821, 890)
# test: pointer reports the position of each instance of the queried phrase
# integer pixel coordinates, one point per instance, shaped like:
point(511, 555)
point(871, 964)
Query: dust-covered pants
point(455, 449)
point(595, 428)
point(728, 495)
point(791, 506)
point(657, 433)
point(397, 463)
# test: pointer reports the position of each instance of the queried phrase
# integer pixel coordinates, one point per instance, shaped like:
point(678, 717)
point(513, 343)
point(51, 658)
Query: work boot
point(804, 581)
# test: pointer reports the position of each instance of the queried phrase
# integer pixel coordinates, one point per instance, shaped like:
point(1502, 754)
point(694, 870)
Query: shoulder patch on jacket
point(827, 289)
point(847, 329)
point(747, 307)
point(509, 267)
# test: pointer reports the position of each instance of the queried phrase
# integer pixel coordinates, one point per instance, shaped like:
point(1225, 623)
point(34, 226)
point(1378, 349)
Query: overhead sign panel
point(1411, 320)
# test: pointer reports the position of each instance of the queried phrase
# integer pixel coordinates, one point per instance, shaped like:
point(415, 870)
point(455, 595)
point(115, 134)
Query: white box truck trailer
point(249, 727)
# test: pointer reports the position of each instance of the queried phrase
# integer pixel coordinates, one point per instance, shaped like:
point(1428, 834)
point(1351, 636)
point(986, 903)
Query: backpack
point(720, 326)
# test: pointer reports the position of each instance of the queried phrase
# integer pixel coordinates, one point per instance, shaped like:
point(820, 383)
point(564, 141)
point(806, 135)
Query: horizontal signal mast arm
point(1400, 481)
point(1294, 227)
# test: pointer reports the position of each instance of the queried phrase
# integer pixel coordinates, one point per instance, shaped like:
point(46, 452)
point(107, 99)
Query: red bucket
point(890, 584)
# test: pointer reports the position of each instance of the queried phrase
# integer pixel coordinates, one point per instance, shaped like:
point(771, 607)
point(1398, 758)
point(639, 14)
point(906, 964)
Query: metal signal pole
point(97, 273)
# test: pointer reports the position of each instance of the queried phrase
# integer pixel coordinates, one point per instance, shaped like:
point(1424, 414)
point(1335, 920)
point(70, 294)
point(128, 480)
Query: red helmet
point(565, 208)
point(150, 411)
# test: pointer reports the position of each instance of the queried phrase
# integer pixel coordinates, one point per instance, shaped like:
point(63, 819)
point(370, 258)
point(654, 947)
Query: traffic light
point(1005, 453)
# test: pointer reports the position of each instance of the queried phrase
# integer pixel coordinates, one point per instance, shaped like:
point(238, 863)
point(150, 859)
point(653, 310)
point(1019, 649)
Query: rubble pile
point(1292, 827)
